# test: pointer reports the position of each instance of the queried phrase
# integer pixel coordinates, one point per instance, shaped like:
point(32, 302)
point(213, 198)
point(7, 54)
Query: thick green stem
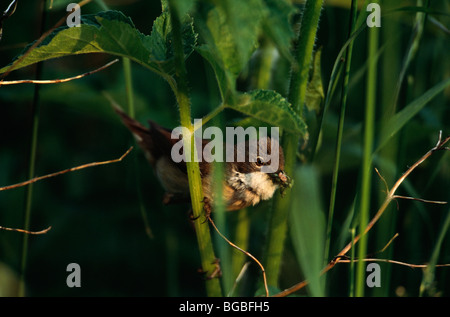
point(296, 96)
point(128, 85)
point(208, 258)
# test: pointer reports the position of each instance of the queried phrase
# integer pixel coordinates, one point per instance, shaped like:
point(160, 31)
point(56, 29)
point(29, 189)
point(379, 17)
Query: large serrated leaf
point(113, 33)
point(278, 26)
point(270, 107)
point(230, 30)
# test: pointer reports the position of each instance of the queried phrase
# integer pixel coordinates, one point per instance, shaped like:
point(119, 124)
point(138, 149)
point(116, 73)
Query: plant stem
point(263, 72)
point(296, 96)
point(348, 56)
point(352, 264)
point(129, 86)
point(32, 160)
point(208, 258)
point(213, 113)
point(428, 276)
point(389, 153)
point(371, 88)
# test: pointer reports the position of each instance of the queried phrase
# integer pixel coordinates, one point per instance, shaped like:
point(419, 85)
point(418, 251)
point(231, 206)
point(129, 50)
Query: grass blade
point(369, 136)
point(307, 227)
point(399, 120)
point(428, 274)
point(348, 58)
point(297, 92)
point(32, 160)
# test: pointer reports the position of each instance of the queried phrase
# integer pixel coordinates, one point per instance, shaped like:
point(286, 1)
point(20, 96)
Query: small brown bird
point(244, 184)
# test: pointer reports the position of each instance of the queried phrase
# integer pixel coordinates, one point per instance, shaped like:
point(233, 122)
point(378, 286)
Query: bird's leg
point(216, 273)
point(207, 207)
point(217, 270)
point(191, 215)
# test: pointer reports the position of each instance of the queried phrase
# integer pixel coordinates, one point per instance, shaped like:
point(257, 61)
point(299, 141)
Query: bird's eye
point(259, 161)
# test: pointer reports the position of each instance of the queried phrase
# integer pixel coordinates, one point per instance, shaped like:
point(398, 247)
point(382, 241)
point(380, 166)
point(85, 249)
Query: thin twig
point(26, 231)
point(390, 196)
point(33, 180)
point(420, 199)
point(389, 243)
point(343, 260)
point(57, 81)
point(245, 252)
point(384, 181)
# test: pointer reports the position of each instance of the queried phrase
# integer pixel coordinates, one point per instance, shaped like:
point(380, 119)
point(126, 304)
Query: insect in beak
point(283, 180)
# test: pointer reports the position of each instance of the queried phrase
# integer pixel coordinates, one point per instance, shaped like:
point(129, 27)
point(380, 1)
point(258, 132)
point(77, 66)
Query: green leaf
point(230, 30)
point(277, 26)
point(269, 106)
point(225, 79)
point(307, 226)
point(315, 96)
point(242, 23)
point(113, 33)
point(402, 117)
point(183, 6)
point(160, 43)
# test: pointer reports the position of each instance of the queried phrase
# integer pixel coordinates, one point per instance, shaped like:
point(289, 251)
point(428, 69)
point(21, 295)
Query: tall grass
point(35, 117)
point(296, 95)
point(343, 107)
point(390, 34)
point(368, 144)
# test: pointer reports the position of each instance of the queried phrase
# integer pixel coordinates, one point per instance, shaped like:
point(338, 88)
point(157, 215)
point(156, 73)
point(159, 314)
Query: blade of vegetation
point(366, 169)
point(429, 273)
point(297, 91)
point(402, 117)
point(35, 110)
point(307, 227)
point(230, 31)
point(388, 156)
point(413, 46)
point(343, 106)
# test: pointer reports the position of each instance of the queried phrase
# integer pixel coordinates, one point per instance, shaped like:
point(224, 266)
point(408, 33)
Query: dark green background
point(95, 213)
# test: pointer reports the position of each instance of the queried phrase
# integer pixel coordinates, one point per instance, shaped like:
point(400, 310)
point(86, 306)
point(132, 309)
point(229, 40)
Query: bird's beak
point(282, 179)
